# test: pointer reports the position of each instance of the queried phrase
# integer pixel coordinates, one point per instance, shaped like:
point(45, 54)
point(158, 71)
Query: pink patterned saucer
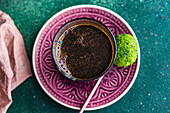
point(73, 94)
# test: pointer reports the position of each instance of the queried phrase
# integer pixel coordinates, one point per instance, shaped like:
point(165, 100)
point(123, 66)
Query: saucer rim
point(85, 6)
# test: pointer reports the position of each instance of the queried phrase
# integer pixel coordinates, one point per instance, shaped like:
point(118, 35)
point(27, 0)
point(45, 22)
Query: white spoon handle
point(91, 94)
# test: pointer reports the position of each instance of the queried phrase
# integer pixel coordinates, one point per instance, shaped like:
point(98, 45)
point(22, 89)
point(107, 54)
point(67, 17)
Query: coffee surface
point(87, 50)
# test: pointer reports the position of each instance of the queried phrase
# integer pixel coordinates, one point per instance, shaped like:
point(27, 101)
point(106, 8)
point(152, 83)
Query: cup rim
point(114, 44)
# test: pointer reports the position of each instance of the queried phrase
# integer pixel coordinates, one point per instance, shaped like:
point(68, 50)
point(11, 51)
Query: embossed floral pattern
point(74, 93)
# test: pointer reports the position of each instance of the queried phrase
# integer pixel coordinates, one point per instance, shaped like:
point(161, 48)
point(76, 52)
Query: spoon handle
point(91, 94)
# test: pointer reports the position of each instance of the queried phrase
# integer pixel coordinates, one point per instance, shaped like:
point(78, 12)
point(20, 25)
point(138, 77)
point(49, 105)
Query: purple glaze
point(74, 93)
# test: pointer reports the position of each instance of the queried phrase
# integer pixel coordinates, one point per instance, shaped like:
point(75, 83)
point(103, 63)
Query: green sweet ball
point(127, 50)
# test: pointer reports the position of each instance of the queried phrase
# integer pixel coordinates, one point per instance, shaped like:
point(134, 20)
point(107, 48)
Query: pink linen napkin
point(14, 63)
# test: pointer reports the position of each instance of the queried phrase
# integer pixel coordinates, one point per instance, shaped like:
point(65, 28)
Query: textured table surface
point(150, 20)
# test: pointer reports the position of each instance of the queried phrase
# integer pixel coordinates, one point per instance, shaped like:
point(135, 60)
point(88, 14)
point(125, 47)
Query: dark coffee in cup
point(85, 49)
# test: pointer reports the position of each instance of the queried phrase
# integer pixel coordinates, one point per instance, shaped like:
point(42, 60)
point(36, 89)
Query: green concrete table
point(150, 20)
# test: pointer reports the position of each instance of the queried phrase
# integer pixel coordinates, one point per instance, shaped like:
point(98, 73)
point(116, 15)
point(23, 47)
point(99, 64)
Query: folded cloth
point(14, 62)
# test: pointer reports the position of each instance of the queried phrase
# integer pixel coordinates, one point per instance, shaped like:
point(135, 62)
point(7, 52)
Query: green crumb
point(126, 50)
